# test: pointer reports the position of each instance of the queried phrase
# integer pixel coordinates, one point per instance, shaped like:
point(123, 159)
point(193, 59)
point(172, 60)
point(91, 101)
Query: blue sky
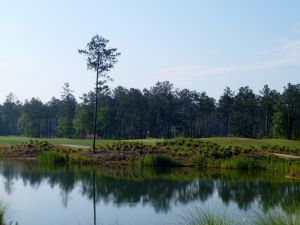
point(200, 45)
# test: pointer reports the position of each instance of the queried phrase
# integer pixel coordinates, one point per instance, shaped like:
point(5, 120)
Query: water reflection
point(160, 189)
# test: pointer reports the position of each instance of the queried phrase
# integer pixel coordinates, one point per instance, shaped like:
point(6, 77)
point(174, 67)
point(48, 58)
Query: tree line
point(161, 111)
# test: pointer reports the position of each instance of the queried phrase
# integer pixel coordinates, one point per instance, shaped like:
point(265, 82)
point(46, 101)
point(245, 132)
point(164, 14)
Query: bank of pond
point(275, 158)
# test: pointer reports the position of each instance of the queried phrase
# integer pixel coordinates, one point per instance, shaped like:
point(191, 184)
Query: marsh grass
point(201, 216)
point(3, 208)
point(52, 157)
point(276, 217)
point(243, 164)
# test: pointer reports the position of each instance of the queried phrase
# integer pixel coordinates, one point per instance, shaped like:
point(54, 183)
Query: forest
point(161, 111)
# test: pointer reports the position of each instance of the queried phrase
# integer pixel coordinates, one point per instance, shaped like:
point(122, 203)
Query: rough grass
point(13, 140)
point(257, 143)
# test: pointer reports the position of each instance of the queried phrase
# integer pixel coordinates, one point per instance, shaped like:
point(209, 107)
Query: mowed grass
point(12, 140)
point(257, 143)
point(222, 141)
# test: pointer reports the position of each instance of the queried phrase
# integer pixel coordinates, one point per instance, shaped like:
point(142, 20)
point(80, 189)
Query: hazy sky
point(200, 45)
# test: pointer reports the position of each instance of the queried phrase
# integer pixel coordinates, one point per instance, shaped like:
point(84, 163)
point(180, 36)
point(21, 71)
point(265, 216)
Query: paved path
point(287, 156)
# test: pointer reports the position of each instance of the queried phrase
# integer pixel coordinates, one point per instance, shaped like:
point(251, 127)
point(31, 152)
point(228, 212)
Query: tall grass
point(276, 217)
point(201, 216)
point(242, 163)
point(2, 212)
point(52, 157)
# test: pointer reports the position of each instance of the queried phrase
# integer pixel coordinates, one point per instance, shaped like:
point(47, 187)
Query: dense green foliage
point(160, 112)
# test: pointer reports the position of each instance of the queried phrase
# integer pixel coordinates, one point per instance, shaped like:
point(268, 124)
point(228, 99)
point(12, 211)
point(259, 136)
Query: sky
point(202, 45)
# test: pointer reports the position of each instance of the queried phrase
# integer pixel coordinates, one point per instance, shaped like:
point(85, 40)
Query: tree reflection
point(160, 189)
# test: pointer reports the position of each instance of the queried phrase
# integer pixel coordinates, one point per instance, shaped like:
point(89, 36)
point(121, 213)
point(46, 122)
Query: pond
point(42, 194)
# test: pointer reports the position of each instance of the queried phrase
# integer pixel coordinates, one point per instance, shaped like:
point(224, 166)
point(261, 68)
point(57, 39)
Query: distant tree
point(52, 117)
point(206, 108)
point(161, 99)
point(245, 116)
point(10, 113)
point(67, 112)
point(100, 59)
point(83, 121)
point(1, 121)
point(225, 108)
point(32, 121)
point(186, 113)
point(287, 117)
point(268, 100)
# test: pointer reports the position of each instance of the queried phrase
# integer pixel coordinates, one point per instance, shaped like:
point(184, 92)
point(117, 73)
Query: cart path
point(286, 156)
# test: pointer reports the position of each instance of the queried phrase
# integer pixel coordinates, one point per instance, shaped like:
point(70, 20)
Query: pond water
point(47, 195)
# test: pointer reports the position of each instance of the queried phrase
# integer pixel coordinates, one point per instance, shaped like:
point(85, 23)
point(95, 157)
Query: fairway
point(11, 140)
point(257, 143)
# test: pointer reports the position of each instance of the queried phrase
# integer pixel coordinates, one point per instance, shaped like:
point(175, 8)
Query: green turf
point(10, 140)
point(252, 142)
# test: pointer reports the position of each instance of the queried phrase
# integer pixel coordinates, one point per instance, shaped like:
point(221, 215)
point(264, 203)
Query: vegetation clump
point(157, 161)
point(53, 157)
point(199, 216)
point(2, 215)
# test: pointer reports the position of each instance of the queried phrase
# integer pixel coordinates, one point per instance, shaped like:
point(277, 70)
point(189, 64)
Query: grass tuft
point(199, 216)
point(52, 157)
point(276, 217)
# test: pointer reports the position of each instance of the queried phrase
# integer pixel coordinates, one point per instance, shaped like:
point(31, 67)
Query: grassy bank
point(274, 155)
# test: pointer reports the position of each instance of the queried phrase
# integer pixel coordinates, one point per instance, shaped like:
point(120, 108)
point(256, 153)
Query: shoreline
point(190, 153)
